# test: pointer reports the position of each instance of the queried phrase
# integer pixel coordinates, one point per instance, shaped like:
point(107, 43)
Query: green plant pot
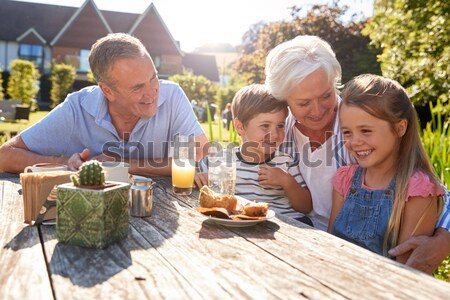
point(92, 218)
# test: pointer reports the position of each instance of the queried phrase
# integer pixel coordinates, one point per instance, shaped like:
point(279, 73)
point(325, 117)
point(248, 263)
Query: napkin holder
point(38, 204)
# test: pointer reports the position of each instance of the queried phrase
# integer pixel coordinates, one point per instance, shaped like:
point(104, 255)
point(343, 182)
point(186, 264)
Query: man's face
point(134, 87)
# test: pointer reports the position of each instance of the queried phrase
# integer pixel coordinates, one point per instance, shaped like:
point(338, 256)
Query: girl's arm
point(419, 218)
point(338, 202)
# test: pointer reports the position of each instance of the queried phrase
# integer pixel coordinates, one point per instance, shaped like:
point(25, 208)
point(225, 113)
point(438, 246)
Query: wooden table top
point(177, 254)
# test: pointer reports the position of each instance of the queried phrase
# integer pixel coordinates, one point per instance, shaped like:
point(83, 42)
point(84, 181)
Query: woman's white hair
point(290, 62)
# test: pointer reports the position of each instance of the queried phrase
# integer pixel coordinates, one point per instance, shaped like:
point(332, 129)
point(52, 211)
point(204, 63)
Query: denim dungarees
point(365, 214)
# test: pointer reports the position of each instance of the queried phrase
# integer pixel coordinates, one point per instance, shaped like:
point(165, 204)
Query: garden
point(406, 40)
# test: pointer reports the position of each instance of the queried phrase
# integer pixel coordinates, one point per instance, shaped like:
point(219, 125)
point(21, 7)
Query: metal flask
point(141, 196)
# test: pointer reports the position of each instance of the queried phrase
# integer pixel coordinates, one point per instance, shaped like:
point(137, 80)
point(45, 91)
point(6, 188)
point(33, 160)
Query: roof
point(81, 27)
point(148, 28)
point(18, 17)
point(201, 64)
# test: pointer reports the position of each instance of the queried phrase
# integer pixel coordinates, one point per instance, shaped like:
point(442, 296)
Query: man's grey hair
point(107, 50)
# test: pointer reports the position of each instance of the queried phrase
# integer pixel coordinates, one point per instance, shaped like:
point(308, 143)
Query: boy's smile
point(262, 135)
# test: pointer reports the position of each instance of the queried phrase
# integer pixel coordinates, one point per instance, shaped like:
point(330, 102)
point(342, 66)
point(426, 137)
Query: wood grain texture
point(177, 254)
point(23, 267)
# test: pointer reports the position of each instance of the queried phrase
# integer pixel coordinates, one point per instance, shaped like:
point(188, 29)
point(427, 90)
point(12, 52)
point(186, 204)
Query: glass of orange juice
point(183, 164)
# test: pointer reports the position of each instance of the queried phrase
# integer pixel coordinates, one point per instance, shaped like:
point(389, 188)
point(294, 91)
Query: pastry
point(208, 198)
point(254, 209)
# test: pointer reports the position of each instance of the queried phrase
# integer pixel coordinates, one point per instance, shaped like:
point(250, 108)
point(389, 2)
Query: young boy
point(263, 173)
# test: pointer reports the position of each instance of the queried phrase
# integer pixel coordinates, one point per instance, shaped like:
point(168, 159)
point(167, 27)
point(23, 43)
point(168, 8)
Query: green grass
point(11, 128)
point(215, 129)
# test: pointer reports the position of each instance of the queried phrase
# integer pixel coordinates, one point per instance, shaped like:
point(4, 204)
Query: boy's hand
point(272, 176)
point(201, 179)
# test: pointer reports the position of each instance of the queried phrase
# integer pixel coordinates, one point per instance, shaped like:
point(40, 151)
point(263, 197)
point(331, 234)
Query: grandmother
point(305, 73)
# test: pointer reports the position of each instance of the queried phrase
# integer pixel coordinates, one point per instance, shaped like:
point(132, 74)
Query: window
point(157, 61)
point(84, 60)
point(33, 53)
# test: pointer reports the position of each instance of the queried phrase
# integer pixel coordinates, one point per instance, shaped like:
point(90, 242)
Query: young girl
point(392, 193)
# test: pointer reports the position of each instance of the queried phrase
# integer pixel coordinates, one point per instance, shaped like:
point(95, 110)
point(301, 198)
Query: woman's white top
point(317, 167)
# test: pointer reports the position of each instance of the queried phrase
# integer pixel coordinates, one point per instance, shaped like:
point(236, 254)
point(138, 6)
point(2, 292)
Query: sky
point(195, 23)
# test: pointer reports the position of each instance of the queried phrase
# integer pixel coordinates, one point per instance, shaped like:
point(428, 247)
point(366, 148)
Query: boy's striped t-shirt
point(248, 186)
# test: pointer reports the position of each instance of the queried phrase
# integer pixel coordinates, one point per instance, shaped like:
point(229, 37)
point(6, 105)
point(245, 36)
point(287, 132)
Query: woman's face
point(313, 102)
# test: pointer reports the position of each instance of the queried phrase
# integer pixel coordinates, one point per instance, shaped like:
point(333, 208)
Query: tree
point(196, 87)
point(415, 41)
point(62, 78)
point(351, 47)
point(23, 82)
point(226, 93)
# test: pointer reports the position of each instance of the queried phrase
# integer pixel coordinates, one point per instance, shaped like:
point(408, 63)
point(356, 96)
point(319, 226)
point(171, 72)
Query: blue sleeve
point(184, 122)
point(444, 220)
point(51, 135)
point(203, 165)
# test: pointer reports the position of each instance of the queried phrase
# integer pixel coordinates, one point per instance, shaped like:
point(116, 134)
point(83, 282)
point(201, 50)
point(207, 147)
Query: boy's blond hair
point(255, 99)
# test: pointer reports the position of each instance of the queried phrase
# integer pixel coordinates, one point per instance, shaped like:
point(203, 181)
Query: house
point(42, 33)
point(200, 64)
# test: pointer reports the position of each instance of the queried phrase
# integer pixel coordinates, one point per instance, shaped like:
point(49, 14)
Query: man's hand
point(201, 179)
point(427, 252)
point(77, 159)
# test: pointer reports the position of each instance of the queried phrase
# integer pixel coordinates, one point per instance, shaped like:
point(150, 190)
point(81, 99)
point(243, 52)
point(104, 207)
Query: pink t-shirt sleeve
point(420, 185)
point(343, 179)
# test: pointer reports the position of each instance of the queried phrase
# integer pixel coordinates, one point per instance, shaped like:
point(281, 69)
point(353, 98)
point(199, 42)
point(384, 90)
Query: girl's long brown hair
point(386, 99)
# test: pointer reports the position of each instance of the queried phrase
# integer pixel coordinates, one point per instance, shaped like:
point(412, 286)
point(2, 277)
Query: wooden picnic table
point(178, 254)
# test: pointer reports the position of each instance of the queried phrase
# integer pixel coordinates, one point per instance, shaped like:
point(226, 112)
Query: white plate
point(240, 223)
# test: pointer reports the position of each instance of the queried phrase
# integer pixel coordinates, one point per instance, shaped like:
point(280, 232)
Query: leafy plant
point(436, 141)
point(62, 78)
point(196, 87)
point(23, 82)
point(233, 136)
point(209, 118)
point(326, 21)
point(416, 46)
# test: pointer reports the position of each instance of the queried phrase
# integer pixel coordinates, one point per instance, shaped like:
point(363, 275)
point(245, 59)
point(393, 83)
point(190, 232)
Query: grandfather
point(130, 116)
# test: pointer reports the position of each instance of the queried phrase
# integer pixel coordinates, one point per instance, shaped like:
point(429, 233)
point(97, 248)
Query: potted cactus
point(91, 212)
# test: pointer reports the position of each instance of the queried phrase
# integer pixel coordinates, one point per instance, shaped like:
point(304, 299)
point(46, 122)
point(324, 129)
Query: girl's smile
point(371, 140)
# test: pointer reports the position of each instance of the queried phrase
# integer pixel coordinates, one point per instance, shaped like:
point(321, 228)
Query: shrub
point(23, 82)
point(62, 78)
